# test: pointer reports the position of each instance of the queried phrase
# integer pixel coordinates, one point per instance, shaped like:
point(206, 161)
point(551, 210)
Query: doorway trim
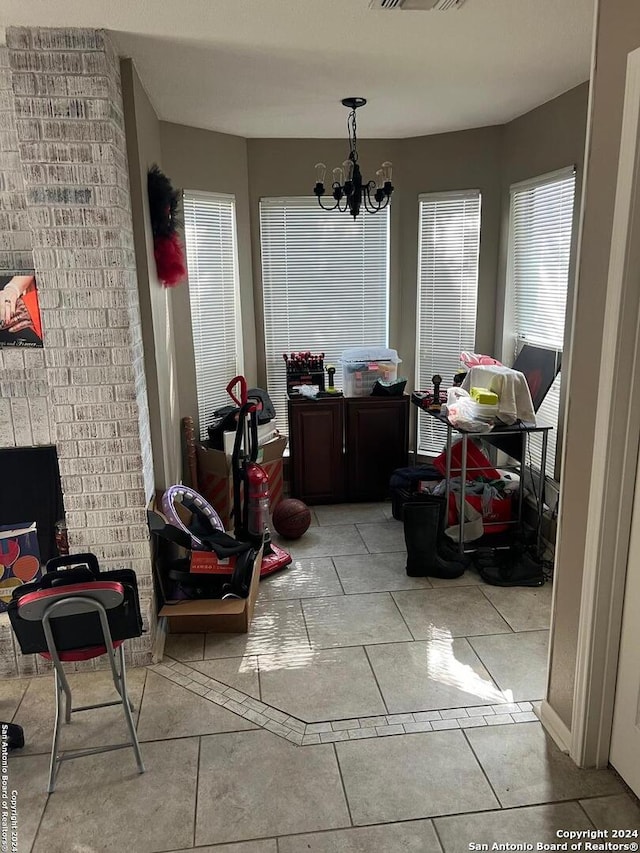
point(615, 458)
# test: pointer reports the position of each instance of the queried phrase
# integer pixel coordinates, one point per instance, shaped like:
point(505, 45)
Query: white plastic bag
point(461, 409)
point(472, 526)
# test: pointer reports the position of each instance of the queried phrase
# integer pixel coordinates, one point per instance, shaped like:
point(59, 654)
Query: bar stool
point(48, 610)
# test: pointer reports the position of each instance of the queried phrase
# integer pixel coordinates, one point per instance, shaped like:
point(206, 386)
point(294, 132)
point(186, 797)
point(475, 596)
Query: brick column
point(72, 154)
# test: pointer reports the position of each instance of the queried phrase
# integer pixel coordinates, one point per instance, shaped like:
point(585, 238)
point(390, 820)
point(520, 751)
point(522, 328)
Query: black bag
point(266, 409)
point(404, 483)
point(83, 629)
point(225, 420)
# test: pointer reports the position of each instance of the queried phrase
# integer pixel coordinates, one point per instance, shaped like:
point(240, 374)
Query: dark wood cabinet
point(346, 448)
point(377, 441)
point(316, 446)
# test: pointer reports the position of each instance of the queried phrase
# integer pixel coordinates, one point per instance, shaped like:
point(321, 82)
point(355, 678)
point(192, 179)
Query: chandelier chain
point(353, 135)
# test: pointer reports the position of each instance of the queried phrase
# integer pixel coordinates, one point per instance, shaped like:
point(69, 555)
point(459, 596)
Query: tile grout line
point(39, 827)
point(436, 833)
point(304, 621)
point(393, 598)
point(366, 547)
point(335, 569)
point(375, 678)
point(582, 808)
point(484, 773)
point(20, 701)
point(479, 656)
point(195, 803)
point(47, 752)
point(296, 731)
point(258, 673)
point(139, 709)
point(344, 789)
point(504, 619)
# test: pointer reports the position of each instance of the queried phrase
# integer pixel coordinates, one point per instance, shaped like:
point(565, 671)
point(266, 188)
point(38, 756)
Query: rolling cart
point(522, 431)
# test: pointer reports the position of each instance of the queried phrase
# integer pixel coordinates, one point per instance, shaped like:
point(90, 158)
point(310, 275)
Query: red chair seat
point(83, 654)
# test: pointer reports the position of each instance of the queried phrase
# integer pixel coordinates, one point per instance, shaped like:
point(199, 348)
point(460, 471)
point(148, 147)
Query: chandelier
point(348, 190)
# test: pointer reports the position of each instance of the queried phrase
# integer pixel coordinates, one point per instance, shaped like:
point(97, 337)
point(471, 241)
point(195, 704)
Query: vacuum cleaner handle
point(240, 398)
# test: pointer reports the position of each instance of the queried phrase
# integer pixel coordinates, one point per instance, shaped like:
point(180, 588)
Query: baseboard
point(555, 727)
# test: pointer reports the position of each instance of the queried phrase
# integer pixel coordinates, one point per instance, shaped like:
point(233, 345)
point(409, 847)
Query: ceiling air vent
point(423, 5)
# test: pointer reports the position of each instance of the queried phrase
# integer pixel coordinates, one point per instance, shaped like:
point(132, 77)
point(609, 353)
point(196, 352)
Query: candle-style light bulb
point(338, 176)
point(321, 171)
point(347, 168)
point(387, 169)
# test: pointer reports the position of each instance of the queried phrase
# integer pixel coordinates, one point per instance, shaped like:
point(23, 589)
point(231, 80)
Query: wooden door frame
point(614, 461)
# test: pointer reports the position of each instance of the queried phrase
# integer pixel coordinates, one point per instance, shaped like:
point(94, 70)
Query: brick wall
point(29, 409)
point(65, 201)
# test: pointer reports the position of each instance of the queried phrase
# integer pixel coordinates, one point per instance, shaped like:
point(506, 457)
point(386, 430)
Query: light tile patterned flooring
point(365, 712)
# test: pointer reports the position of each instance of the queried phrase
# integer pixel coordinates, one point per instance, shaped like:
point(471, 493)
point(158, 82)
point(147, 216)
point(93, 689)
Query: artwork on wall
point(20, 323)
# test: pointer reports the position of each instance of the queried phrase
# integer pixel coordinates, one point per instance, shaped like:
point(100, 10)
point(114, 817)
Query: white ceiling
point(278, 68)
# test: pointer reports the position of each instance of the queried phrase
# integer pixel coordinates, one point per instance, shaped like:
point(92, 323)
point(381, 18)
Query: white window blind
point(540, 235)
point(212, 262)
point(448, 252)
point(325, 281)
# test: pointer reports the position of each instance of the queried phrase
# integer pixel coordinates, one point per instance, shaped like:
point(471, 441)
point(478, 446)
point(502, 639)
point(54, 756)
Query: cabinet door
point(377, 442)
point(316, 447)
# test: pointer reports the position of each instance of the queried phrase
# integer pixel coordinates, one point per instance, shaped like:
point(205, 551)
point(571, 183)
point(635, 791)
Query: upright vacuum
point(251, 483)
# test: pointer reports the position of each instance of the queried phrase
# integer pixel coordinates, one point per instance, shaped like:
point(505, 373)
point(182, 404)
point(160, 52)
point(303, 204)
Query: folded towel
point(511, 387)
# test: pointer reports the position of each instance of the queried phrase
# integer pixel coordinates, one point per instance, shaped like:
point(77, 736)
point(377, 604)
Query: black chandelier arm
point(324, 207)
point(338, 204)
point(379, 202)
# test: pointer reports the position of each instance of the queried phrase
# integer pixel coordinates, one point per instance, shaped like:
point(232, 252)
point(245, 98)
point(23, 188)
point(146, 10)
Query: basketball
point(291, 518)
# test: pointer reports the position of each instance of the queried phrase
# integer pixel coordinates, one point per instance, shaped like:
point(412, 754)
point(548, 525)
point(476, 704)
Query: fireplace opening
point(30, 491)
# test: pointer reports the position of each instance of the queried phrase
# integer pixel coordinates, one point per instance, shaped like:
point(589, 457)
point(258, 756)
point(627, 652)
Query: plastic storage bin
point(363, 366)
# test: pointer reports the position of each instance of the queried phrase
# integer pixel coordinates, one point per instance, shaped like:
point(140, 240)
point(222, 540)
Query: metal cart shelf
point(524, 431)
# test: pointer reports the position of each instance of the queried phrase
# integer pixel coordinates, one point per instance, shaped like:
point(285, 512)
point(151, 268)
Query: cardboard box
point(214, 615)
point(215, 478)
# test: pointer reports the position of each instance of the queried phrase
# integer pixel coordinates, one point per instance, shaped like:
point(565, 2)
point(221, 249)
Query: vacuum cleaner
point(251, 483)
point(204, 532)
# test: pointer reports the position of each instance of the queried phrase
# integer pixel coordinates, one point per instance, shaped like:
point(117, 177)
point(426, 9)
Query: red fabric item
point(170, 262)
point(478, 465)
point(501, 510)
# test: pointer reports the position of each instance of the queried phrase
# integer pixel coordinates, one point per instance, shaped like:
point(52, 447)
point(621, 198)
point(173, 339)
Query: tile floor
point(365, 712)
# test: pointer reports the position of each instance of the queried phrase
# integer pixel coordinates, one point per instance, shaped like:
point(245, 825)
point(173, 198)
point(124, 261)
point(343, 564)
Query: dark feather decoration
point(163, 208)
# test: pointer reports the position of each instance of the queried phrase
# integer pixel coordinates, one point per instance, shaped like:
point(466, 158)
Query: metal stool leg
point(53, 767)
point(118, 682)
point(127, 707)
point(68, 701)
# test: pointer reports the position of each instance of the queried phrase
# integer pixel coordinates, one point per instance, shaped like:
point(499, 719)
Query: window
point(325, 281)
point(540, 235)
point(212, 261)
point(448, 251)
